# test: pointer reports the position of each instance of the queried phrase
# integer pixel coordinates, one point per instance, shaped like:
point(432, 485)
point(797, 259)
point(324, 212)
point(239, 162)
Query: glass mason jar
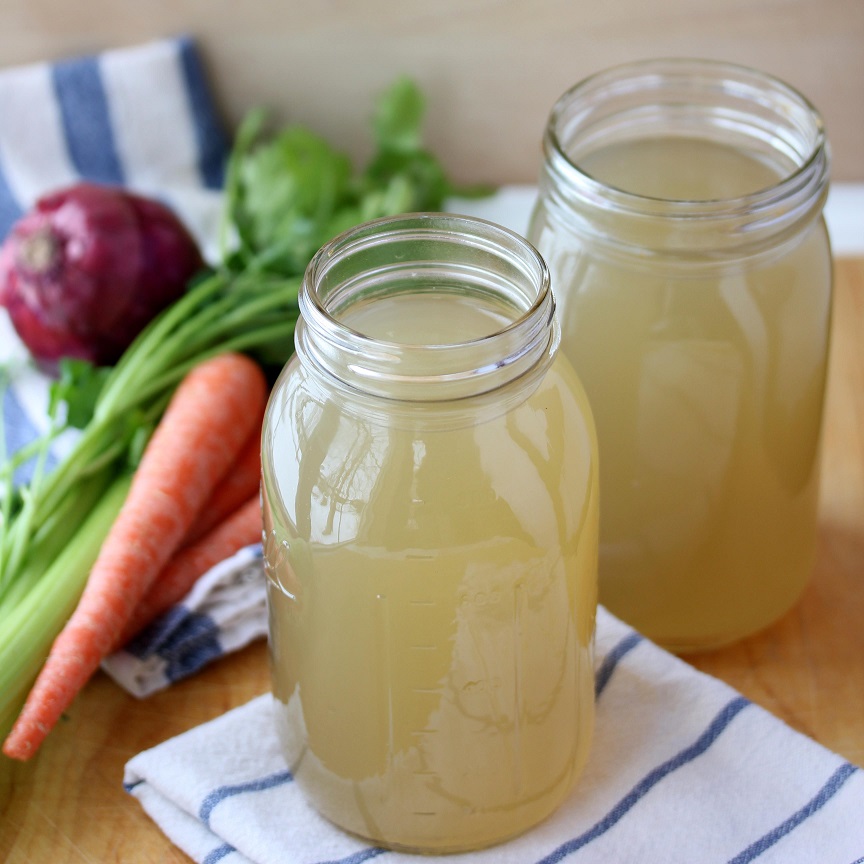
point(680, 213)
point(430, 512)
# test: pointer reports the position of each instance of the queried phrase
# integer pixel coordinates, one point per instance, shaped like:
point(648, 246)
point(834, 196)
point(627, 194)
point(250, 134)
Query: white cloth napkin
point(682, 769)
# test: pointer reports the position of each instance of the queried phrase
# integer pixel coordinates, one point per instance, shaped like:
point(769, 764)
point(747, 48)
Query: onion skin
point(88, 267)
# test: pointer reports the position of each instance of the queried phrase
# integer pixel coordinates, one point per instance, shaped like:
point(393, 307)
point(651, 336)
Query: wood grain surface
point(67, 806)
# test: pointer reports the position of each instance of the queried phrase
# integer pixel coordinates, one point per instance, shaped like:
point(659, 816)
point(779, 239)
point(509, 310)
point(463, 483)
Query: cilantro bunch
point(291, 194)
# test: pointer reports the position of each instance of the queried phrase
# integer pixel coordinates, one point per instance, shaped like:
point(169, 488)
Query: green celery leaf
point(403, 176)
point(292, 186)
point(78, 386)
point(398, 118)
point(290, 193)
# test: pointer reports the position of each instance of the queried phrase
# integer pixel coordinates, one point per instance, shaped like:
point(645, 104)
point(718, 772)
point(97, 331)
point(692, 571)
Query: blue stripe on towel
point(835, 782)
point(212, 143)
point(223, 792)
point(193, 645)
point(612, 658)
point(10, 209)
point(218, 853)
point(159, 634)
point(688, 754)
point(86, 117)
point(186, 641)
point(17, 426)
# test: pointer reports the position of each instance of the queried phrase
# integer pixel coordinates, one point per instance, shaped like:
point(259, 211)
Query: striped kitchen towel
point(225, 610)
point(683, 770)
point(140, 117)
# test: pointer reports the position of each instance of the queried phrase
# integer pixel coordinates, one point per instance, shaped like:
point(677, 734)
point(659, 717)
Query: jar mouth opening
point(707, 99)
point(383, 280)
point(408, 275)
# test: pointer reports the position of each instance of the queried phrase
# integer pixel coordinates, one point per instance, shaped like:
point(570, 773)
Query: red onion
point(88, 267)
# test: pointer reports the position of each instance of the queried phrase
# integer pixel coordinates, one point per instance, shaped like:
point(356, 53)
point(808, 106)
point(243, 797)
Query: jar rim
point(355, 238)
point(430, 371)
point(737, 102)
point(683, 66)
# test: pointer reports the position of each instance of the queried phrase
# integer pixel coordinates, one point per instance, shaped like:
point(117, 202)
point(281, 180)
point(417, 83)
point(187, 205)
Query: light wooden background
point(490, 68)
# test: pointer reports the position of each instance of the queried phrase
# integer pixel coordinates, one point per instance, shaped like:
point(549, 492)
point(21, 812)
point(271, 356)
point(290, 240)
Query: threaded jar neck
point(426, 307)
point(666, 99)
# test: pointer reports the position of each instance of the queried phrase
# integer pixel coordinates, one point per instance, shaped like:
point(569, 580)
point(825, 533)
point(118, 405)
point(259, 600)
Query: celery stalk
point(54, 535)
point(31, 627)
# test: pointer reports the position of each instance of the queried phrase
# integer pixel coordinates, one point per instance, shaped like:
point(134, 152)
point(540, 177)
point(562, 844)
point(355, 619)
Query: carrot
point(241, 528)
point(237, 486)
point(199, 436)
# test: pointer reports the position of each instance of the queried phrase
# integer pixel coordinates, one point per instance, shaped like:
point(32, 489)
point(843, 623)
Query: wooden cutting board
point(68, 805)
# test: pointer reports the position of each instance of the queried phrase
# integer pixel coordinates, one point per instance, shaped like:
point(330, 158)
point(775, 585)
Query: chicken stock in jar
point(430, 510)
point(680, 213)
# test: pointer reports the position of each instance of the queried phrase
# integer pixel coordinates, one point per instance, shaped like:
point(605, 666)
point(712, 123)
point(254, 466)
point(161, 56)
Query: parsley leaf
point(78, 386)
